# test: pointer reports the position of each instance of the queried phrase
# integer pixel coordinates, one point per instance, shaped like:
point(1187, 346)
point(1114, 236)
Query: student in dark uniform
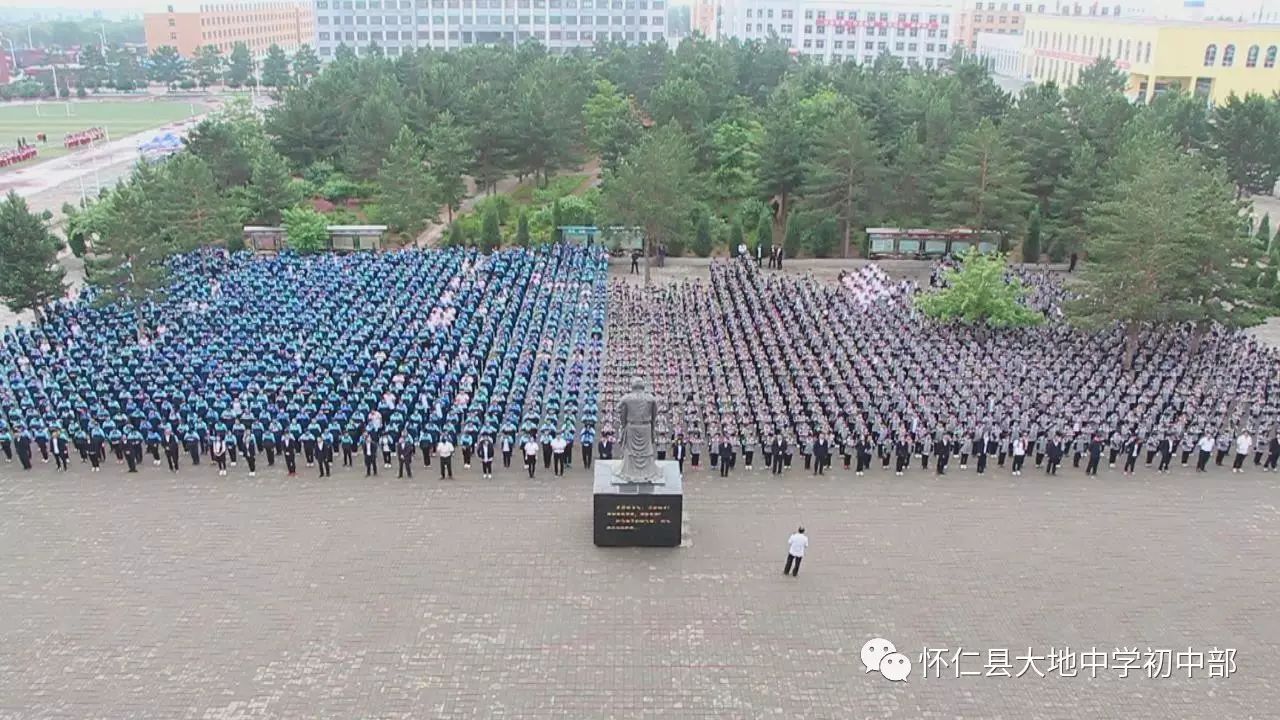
point(484, 451)
point(324, 456)
point(369, 450)
point(58, 447)
point(1165, 449)
point(171, 449)
point(726, 456)
point(944, 455)
point(678, 451)
point(250, 449)
point(405, 452)
point(1054, 451)
point(1095, 455)
point(289, 447)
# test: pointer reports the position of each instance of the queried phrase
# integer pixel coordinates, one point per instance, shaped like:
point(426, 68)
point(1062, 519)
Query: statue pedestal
point(638, 514)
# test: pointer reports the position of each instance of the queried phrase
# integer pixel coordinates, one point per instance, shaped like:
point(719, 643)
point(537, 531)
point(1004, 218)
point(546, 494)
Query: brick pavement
point(155, 596)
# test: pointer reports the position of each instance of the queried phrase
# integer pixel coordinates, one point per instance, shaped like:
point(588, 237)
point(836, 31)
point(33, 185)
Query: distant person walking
point(796, 545)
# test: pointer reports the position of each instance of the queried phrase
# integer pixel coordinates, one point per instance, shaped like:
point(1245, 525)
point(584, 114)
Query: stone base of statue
point(638, 514)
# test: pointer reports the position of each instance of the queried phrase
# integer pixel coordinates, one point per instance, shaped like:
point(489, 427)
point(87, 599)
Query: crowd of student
point(313, 358)
point(388, 360)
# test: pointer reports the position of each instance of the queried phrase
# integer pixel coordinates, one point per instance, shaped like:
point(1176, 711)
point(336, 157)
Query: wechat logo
point(879, 655)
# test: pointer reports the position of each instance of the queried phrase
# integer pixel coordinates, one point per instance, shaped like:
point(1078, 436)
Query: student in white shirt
point(796, 545)
point(444, 449)
point(531, 455)
point(1244, 444)
point(1206, 449)
point(558, 449)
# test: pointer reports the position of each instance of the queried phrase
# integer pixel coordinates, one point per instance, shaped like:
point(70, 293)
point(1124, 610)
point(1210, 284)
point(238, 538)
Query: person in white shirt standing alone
point(444, 449)
point(796, 545)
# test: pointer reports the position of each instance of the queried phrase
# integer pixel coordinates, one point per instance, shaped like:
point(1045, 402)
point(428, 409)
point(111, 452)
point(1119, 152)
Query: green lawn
point(119, 117)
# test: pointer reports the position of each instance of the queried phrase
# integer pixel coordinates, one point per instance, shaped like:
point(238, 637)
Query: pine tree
point(557, 220)
point(490, 231)
point(448, 155)
point(406, 196)
point(1164, 246)
point(522, 229)
point(1031, 245)
point(1264, 233)
point(844, 168)
point(271, 190)
point(377, 123)
point(764, 233)
point(982, 183)
point(30, 276)
point(275, 68)
point(792, 241)
point(455, 235)
point(239, 66)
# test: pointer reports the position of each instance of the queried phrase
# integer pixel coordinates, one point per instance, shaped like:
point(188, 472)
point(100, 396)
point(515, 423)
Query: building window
point(1251, 60)
point(1147, 56)
point(1210, 55)
point(1228, 56)
point(1271, 57)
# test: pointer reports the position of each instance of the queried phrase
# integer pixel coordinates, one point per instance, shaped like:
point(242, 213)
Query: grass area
point(119, 117)
point(529, 193)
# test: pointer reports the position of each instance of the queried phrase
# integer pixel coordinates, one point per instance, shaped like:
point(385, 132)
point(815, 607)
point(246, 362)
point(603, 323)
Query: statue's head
point(638, 384)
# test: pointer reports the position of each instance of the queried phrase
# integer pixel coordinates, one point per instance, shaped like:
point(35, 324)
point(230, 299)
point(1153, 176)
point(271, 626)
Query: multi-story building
point(1002, 54)
point(559, 25)
point(832, 31)
point(258, 24)
point(1004, 17)
point(1210, 58)
point(706, 13)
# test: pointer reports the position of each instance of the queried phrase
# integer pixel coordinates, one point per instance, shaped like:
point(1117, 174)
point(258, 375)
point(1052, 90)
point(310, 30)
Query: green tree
point(406, 196)
point(1031, 245)
point(226, 148)
point(275, 68)
point(190, 207)
point(782, 154)
point(1164, 246)
point(702, 242)
point(1038, 126)
point(126, 72)
point(1184, 116)
point(612, 125)
point(1263, 234)
point(655, 188)
point(1071, 201)
point(764, 233)
point(306, 230)
point(306, 64)
point(271, 189)
point(1245, 138)
point(375, 126)
point(490, 232)
point(735, 160)
point(207, 65)
point(455, 238)
point(793, 239)
point(239, 71)
point(1098, 108)
point(557, 220)
point(978, 293)
point(909, 203)
point(94, 61)
point(167, 66)
point(30, 276)
point(522, 229)
point(448, 154)
point(982, 183)
point(844, 168)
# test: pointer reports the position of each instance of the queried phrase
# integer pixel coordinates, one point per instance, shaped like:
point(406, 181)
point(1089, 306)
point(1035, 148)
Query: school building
point(189, 26)
point(1209, 58)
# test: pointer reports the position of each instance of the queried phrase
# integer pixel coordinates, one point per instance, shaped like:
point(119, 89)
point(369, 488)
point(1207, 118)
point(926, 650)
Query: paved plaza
point(193, 596)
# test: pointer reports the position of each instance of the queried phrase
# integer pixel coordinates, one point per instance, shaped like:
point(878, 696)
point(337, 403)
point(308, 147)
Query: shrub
point(306, 230)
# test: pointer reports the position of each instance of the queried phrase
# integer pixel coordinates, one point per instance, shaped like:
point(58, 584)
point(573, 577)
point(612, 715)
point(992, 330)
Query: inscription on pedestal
point(644, 520)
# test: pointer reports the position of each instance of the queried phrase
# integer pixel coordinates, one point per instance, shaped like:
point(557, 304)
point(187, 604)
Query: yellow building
point(1211, 59)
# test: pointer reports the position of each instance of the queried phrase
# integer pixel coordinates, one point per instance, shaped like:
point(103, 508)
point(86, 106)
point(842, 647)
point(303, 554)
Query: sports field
point(119, 117)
